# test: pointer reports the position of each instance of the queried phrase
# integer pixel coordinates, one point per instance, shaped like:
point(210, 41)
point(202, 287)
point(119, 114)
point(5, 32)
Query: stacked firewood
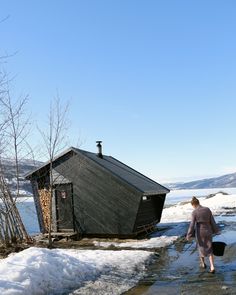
point(44, 197)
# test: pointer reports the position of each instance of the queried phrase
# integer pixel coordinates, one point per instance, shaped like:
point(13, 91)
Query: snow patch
point(38, 271)
point(157, 242)
point(219, 204)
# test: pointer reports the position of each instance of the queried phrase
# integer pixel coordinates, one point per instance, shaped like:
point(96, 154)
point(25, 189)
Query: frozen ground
point(38, 271)
point(177, 270)
point(42, 271)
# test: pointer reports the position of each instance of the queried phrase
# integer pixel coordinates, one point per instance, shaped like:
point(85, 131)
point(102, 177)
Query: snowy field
point(176, 196)
point(42, 271)
point(38, 271)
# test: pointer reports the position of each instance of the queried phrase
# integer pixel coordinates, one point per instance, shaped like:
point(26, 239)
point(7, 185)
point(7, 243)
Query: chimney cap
point(99, 154)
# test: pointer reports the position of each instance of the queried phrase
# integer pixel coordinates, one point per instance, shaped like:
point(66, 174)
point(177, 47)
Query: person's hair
point(195, 201)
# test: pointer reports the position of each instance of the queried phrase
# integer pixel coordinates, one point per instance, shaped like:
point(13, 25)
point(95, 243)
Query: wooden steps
point(147, 228)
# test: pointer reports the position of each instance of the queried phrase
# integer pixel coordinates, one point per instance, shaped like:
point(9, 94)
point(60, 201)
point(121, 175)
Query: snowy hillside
point(24, 167)
point(224, 181)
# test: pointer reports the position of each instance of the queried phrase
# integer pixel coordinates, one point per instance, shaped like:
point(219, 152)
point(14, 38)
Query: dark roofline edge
point(48, 162)
point(165, 190)
point(76, 150)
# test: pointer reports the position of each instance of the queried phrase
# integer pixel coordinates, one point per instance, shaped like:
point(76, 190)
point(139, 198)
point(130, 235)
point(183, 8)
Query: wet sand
point(177, 271)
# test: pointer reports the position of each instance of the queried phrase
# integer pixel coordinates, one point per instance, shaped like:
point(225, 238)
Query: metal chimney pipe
point(99, 154)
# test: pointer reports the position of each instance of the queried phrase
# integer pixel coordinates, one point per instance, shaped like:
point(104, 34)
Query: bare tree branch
point(54, 141)
point(13, 130)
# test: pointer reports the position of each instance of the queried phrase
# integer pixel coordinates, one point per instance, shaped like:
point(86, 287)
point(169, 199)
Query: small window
point(146, 198)
point(63, 194)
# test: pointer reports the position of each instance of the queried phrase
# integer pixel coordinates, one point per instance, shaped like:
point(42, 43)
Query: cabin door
point(64, 205)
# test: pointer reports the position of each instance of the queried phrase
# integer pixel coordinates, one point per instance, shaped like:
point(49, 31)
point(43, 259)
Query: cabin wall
point(40, 186)
point(103, 204)
point(159, 202)
point(150, 210)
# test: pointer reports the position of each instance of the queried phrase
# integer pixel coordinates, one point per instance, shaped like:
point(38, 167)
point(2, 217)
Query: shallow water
point(177, 271)
point(29, 216)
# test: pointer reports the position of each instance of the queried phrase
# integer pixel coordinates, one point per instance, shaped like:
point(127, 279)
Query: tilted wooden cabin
point(96, 195)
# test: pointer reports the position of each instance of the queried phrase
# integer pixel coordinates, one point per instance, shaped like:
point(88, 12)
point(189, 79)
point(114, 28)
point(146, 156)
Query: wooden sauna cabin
point(96, 195)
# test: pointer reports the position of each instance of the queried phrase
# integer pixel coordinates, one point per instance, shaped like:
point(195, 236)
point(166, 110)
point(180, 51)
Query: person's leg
point(202, 262)
point(211, 259)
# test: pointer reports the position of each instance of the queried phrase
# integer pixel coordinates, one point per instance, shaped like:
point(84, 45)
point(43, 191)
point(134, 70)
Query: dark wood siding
point(64, 207)
point(103, 204)
point(150, 210)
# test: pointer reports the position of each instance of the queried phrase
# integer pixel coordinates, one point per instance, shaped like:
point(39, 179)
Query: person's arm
point(191, 229)
point(215, 228)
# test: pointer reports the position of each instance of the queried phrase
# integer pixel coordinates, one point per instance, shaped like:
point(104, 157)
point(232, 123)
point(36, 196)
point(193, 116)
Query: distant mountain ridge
point(25, 166)
point(225, 181)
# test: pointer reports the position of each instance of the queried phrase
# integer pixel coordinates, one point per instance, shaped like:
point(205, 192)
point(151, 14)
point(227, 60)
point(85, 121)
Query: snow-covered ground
point(220, 204)
point(38, 271)
point(42, 271)
point(155, 242)
point(176, 196)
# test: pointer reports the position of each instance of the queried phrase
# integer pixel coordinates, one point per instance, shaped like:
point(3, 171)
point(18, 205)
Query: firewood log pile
point(44, 197)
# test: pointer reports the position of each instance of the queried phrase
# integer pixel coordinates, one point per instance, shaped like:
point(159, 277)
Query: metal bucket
point(218, 248)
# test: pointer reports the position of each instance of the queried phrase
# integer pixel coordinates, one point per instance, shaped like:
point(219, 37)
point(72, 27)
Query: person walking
point(202, 227)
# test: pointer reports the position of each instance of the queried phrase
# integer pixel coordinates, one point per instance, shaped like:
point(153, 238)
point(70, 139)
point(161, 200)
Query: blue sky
point(154, 80)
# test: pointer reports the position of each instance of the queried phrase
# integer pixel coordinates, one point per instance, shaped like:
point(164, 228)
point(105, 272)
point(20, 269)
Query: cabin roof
point(118, 169)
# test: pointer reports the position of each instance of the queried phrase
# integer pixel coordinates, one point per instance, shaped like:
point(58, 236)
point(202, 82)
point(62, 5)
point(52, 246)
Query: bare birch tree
point(12, 138)
point(13, 134)
point(54, 138)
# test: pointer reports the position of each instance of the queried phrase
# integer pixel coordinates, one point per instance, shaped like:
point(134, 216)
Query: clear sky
point(155, 80)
